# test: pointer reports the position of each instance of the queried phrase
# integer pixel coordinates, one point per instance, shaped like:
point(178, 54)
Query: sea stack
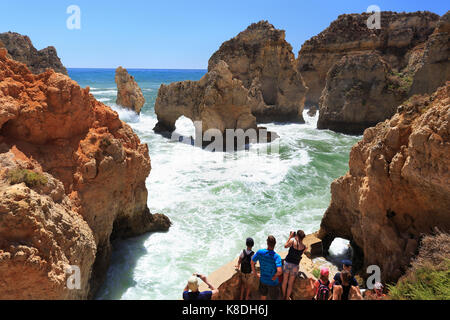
point(252, 78)
point(72, 178)
point(217, 100)
point(397, 189)
point(411, 49)
point(129, 95)
point(21, 49)
point(263, 60)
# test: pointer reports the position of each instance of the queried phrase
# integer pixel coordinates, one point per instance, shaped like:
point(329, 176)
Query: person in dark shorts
point(345, 290)
point(191, 291)
point(245, 266)
point(271, 270)
point(292, 261)
point(346, 266)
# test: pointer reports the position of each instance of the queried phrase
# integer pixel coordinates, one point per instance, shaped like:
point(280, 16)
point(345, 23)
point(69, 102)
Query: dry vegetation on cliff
point(429, 275)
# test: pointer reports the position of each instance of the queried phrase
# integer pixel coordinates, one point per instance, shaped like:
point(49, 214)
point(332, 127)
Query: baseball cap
point(193, 283)
point(324, 272)
point(347, 263)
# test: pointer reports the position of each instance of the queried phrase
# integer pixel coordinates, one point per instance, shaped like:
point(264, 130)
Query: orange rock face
point(398, 186)
point(64, 132)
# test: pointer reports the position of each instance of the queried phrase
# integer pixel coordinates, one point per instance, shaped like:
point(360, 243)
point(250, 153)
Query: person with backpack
point(244, 262)
point(270, 270)
point(292, 261)
point(345, 290)
point(323, 286)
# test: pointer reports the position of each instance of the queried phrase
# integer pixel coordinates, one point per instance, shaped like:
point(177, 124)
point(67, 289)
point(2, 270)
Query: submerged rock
point(263, 60)
point(21, 49)
point(397, 188)
point(94, 190)
point(129, 95)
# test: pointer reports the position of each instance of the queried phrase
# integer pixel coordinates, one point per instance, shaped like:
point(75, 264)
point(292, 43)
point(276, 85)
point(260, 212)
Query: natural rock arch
point(217, 101)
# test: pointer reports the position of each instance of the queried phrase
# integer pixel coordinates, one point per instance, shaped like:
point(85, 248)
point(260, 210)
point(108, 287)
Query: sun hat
point(324, 272)
point(193, 283)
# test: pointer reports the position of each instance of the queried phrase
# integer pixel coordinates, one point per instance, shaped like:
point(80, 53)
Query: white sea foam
point(215, 200)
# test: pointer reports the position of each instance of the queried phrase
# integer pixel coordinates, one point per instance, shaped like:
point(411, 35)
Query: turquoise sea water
point(215, 200)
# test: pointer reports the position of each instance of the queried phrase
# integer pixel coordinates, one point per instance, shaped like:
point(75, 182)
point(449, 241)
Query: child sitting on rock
point(244, 262)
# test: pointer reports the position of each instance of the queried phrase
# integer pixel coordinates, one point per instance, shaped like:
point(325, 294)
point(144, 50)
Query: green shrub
point(316, 273)
point(30, 178)
point(426, 283)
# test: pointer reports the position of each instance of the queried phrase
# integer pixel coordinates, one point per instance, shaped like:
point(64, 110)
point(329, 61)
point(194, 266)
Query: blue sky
point(172, 34)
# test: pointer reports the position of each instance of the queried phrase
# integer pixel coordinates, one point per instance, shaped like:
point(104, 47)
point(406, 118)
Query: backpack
point(246, 266)
point(323, 293)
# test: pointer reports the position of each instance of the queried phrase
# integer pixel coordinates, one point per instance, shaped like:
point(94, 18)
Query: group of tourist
point(277, 277)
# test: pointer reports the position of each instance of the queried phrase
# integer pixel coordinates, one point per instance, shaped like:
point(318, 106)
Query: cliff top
point(414, 27)
point(21, 49)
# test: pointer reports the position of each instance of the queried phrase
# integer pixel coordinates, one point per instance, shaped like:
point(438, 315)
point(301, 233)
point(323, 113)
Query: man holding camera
point(191, 292)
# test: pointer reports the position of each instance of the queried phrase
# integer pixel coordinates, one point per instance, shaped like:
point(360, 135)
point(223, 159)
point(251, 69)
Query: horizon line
point(95, 68)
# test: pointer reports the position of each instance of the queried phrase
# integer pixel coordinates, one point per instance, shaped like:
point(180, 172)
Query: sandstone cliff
point(433, 68)
point(129, 95)
point(413, 48)
point(217, 100)
point(94, 190)
point(262, 59)
point(21, 49)
point(359, 93)
point(398, 186)
point(349, 34)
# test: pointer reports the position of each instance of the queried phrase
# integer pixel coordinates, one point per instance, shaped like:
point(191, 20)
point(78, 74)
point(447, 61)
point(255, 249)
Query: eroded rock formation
point(21, 49)
point(414, 51)
point(399, 33)
point(217, 100)
point(94, 191)
point(433, 68)
point(398, 186)
point(129, 95)
point(263, 60)
point(359, 93)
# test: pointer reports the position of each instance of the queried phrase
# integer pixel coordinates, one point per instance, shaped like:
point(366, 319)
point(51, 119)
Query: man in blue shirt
point(270, 270)
point(191, 291)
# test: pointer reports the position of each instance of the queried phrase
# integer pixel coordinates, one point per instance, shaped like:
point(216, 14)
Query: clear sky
point(173, 34)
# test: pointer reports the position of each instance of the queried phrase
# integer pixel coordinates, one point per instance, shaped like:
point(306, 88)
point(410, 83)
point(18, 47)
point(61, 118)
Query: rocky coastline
point(72, 178)
point(72, 174)
point(21, 49)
